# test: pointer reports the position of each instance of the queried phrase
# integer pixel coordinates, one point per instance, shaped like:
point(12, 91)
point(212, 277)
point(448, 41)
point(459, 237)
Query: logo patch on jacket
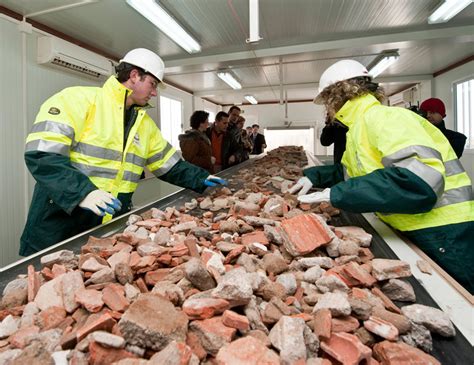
point(54, 111)
point(136, 140)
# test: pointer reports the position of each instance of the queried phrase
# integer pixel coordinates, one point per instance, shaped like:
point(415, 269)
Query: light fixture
point(447, 10)
point(251, 99)
point(229, 80)
point(253, 22)
point(382, 62)
point(163, 21)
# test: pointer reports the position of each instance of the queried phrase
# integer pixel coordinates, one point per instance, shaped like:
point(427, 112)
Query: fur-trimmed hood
point(193, 134)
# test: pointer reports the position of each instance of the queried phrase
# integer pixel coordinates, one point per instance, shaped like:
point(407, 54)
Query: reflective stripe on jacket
point(381, 137)
point(86, 124)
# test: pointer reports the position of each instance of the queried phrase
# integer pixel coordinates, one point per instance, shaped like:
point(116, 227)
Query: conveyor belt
point(449, 351)
point(455, 351)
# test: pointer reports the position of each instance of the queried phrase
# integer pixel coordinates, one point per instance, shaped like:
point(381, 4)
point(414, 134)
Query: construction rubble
point(241, 275)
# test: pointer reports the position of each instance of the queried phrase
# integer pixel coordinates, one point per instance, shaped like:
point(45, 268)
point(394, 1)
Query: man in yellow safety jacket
point(399, 165)
point(88, 148)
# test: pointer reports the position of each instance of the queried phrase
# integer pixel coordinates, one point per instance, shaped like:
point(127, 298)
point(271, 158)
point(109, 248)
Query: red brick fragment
point(235, 253)
point(322, 323)
point(33, 283)
point(381, 328)
point(394, 353)
point(344, 324)
point(50, 317)
point(96, 322)
point(357, 275)
point(192, 340)
point(179, 250)
point(113, 296)
point(248, 350)
point(191, 244)
point(257, 236)
point(202, 308)
point(386, 301)
point(304, 234)
point(100, 355)
point(22, 337)
point(152, 277)
point(234, 320)
point(346, 348)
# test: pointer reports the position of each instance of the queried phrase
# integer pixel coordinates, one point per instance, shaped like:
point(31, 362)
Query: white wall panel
point(19, 106)
point(12, 176)
point(44, 81)
point(299, 114)
point(443, 89)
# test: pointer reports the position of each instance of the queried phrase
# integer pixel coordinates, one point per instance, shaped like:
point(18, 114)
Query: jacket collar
point(354, 108)
point(118, 91)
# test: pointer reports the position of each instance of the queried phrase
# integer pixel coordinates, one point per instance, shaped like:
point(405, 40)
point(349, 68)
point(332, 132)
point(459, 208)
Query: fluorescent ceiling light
point(163, 21)
point(251, 99)
point(229, 80)
point(447, 10)
point(253, 22)
point(381, 63)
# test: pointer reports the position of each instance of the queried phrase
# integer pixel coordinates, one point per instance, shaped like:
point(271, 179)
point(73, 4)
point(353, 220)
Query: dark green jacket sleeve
point(187, 176)
point(388, 190)
point(66, 185)
point(325, 176)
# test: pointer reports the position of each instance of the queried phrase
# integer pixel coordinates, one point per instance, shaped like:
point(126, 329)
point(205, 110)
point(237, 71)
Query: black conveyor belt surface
point(453, 351)
point(449, 351)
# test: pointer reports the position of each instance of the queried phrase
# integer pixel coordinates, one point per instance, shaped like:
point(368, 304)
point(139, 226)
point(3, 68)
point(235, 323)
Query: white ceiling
point(306, 36)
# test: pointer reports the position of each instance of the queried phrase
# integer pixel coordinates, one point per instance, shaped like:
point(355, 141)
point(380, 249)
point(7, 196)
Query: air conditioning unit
point(58, 52)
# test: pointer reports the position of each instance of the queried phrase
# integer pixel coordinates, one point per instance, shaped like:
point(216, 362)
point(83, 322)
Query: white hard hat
point(147, 60)
point(339, 71)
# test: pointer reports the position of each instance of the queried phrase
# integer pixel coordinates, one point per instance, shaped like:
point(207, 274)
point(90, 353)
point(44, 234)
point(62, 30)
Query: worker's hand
point(302, 185)
point(213, 160)
point(232, 159)
point(318, 197)
point(212, 180)
point(101, 202)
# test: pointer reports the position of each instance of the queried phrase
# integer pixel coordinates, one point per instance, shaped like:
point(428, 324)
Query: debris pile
point(245, 275)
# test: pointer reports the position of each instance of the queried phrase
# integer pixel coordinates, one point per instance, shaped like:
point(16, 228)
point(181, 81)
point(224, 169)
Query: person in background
point(194, 143)
point(221, 143)
point(435, 112)
point(396, 164)
point(249, 130)
point(246, 143)
point(334, 132)
point(87, 150)
point(234, 134)
point(258, 140)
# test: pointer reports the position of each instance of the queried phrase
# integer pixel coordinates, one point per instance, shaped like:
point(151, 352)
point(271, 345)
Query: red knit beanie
point(433, 105)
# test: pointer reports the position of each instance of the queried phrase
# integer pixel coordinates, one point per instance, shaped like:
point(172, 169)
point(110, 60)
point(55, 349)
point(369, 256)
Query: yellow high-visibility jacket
point(402, 167)
point(383, 137)
point(89, 130)
point(76, 145)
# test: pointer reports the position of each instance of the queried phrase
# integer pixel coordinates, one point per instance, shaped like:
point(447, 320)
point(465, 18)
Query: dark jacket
point(335, 133)
point(229, 146)
point(456, 140)
point(237, 145)
point(247, 146)
point(196, 148)
point(258, 142)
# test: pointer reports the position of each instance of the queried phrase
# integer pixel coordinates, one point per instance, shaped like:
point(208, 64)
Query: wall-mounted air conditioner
point(58, 52)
